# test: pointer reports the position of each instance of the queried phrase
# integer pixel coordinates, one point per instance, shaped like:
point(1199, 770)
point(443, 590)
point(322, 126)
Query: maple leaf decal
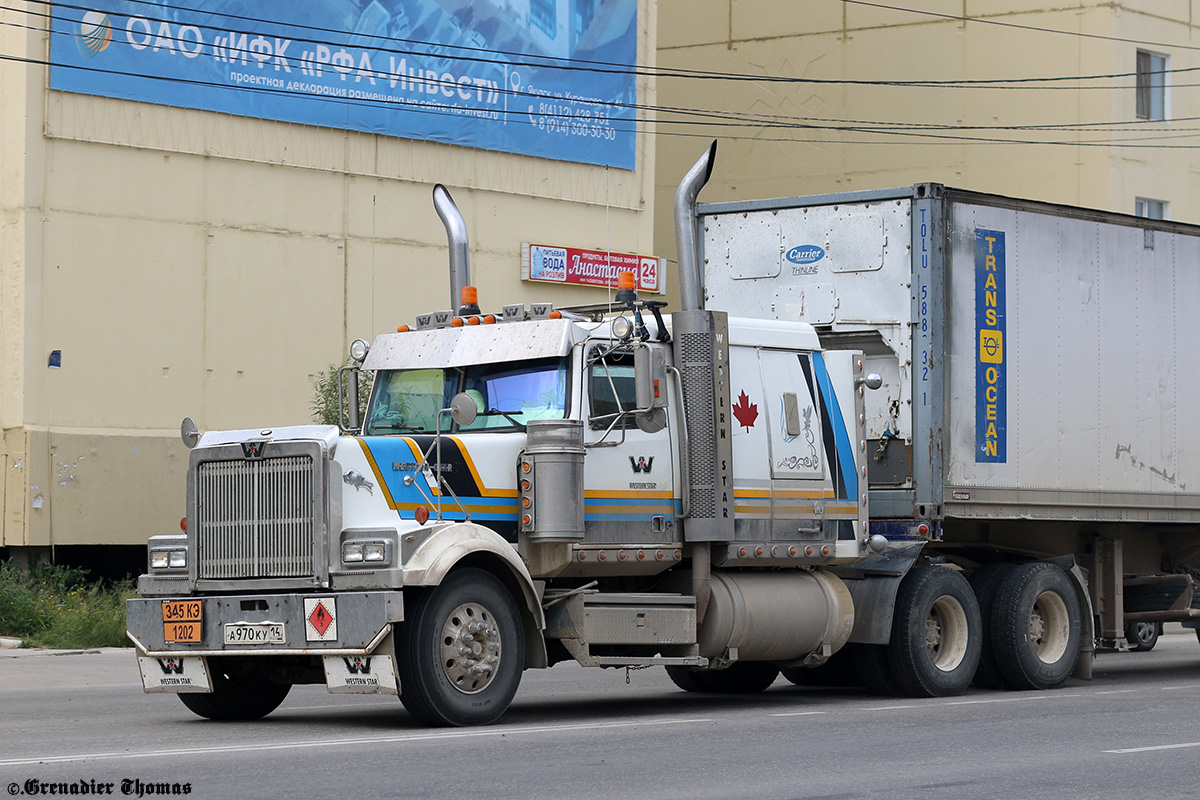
point(745, 411)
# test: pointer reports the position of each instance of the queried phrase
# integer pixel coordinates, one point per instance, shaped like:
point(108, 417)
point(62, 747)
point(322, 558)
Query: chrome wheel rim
point(470, 648)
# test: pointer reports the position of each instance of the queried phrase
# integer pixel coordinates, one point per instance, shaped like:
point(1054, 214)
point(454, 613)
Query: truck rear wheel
point(1036, 627)
point(985, 581)
point(240, 692)
point(461, 651)
point(837, 671)
point(936, 633)
point(872, 667)
point(741, 677)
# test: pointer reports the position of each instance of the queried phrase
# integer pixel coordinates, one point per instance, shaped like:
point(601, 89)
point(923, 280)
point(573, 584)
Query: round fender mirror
point(189, 433)
point(463, 409)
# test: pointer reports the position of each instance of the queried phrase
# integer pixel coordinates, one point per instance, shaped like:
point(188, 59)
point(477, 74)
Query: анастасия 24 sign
point(549, 78)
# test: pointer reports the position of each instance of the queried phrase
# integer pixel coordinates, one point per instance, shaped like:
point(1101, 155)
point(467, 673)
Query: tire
point(439, 684)
point(985, 581)
point(936, 634)
point(838, 671)
point(741, 677)
point(688, 679)
point(1036, 627)
point(872, 667)
point(240, 692)
point(1142, 636)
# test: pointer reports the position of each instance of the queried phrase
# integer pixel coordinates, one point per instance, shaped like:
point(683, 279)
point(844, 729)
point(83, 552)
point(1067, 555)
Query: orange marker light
point(183, 524)
point(457, 322)
point(403, 329)
point(555, 315)
point(472, 320)
point(421, 515)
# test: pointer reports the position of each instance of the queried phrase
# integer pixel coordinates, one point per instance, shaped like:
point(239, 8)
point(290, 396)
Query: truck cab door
point(629, 472)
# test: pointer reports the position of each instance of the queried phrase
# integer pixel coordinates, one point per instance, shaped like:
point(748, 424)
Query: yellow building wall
point(188, 263)
point(846, 129)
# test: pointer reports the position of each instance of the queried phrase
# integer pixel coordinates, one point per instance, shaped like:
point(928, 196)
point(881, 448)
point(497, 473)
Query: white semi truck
point(621, 487)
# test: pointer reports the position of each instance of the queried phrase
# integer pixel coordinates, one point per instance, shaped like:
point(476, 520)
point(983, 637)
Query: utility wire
point(487, 56)
point(1018, 26)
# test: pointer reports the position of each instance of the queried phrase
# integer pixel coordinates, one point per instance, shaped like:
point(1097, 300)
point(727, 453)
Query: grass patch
point(56, 606)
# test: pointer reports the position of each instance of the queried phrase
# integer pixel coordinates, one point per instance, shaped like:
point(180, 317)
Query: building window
point(1151, 85)
point(1151, 209)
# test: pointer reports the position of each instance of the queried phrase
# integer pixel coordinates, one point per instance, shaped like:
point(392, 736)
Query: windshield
point(507, 396)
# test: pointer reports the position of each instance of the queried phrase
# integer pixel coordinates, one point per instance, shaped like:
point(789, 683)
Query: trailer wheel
point(1036, 627)
point(936, 633)
point(741, 677)
point(985, 581)
point(239, 693)
point(461, 651)
point(872, 667)
point(1143, 636)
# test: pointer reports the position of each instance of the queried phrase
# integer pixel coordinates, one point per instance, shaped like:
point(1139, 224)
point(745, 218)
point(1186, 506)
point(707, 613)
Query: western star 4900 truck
point(623, 487)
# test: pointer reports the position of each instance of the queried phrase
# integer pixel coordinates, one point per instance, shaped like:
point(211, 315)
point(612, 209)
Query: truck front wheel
point(241, 691)
point(461, 651)
point(936, 633)
point(1036, 627)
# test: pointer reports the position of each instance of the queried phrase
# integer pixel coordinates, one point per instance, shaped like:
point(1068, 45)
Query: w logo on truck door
point(641, 463)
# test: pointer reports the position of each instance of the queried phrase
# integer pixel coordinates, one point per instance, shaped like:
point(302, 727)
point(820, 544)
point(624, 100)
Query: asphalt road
point(80, 721)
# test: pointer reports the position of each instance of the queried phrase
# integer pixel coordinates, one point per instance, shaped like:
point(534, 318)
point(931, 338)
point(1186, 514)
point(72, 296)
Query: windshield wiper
point(491, 412)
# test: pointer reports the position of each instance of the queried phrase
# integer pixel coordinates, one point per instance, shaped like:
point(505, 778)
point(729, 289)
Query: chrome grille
point(255, 519)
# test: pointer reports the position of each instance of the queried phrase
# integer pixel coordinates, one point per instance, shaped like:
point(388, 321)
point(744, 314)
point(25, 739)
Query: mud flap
point(174, 674)
point(370, 674)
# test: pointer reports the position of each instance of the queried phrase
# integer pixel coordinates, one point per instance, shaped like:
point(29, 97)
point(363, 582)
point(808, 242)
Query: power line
point(1018, 26)
point(476, 55)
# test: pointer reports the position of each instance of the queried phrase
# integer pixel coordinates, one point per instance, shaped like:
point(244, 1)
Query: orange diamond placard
point(320, 619)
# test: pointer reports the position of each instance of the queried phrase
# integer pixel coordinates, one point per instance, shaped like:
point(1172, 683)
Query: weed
point(55, 606)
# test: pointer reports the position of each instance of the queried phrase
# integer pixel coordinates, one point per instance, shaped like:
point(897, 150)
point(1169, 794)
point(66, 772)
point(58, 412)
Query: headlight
point(359, 551)
point(169, 558)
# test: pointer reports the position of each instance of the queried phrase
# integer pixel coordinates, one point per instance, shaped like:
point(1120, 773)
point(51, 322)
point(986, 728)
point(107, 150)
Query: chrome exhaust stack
point(691, 294)
point(460, 250)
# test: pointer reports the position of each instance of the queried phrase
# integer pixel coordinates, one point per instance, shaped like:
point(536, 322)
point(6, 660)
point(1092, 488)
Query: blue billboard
point(550, 78)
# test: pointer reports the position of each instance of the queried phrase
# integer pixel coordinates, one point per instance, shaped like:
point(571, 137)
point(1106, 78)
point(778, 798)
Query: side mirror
point(650, 387)
point(650, 378)
point(189, 433)
point(463, 409)
point(348, 399)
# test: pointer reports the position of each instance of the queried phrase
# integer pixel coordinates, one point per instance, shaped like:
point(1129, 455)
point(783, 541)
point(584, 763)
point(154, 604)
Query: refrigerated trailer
point(1038, 393)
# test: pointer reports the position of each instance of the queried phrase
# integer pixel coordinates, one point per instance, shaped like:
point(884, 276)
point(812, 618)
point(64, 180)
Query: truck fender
point(873, 584)
point(445, 548)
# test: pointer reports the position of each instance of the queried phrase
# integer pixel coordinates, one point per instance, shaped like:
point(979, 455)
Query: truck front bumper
point(317, 624)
